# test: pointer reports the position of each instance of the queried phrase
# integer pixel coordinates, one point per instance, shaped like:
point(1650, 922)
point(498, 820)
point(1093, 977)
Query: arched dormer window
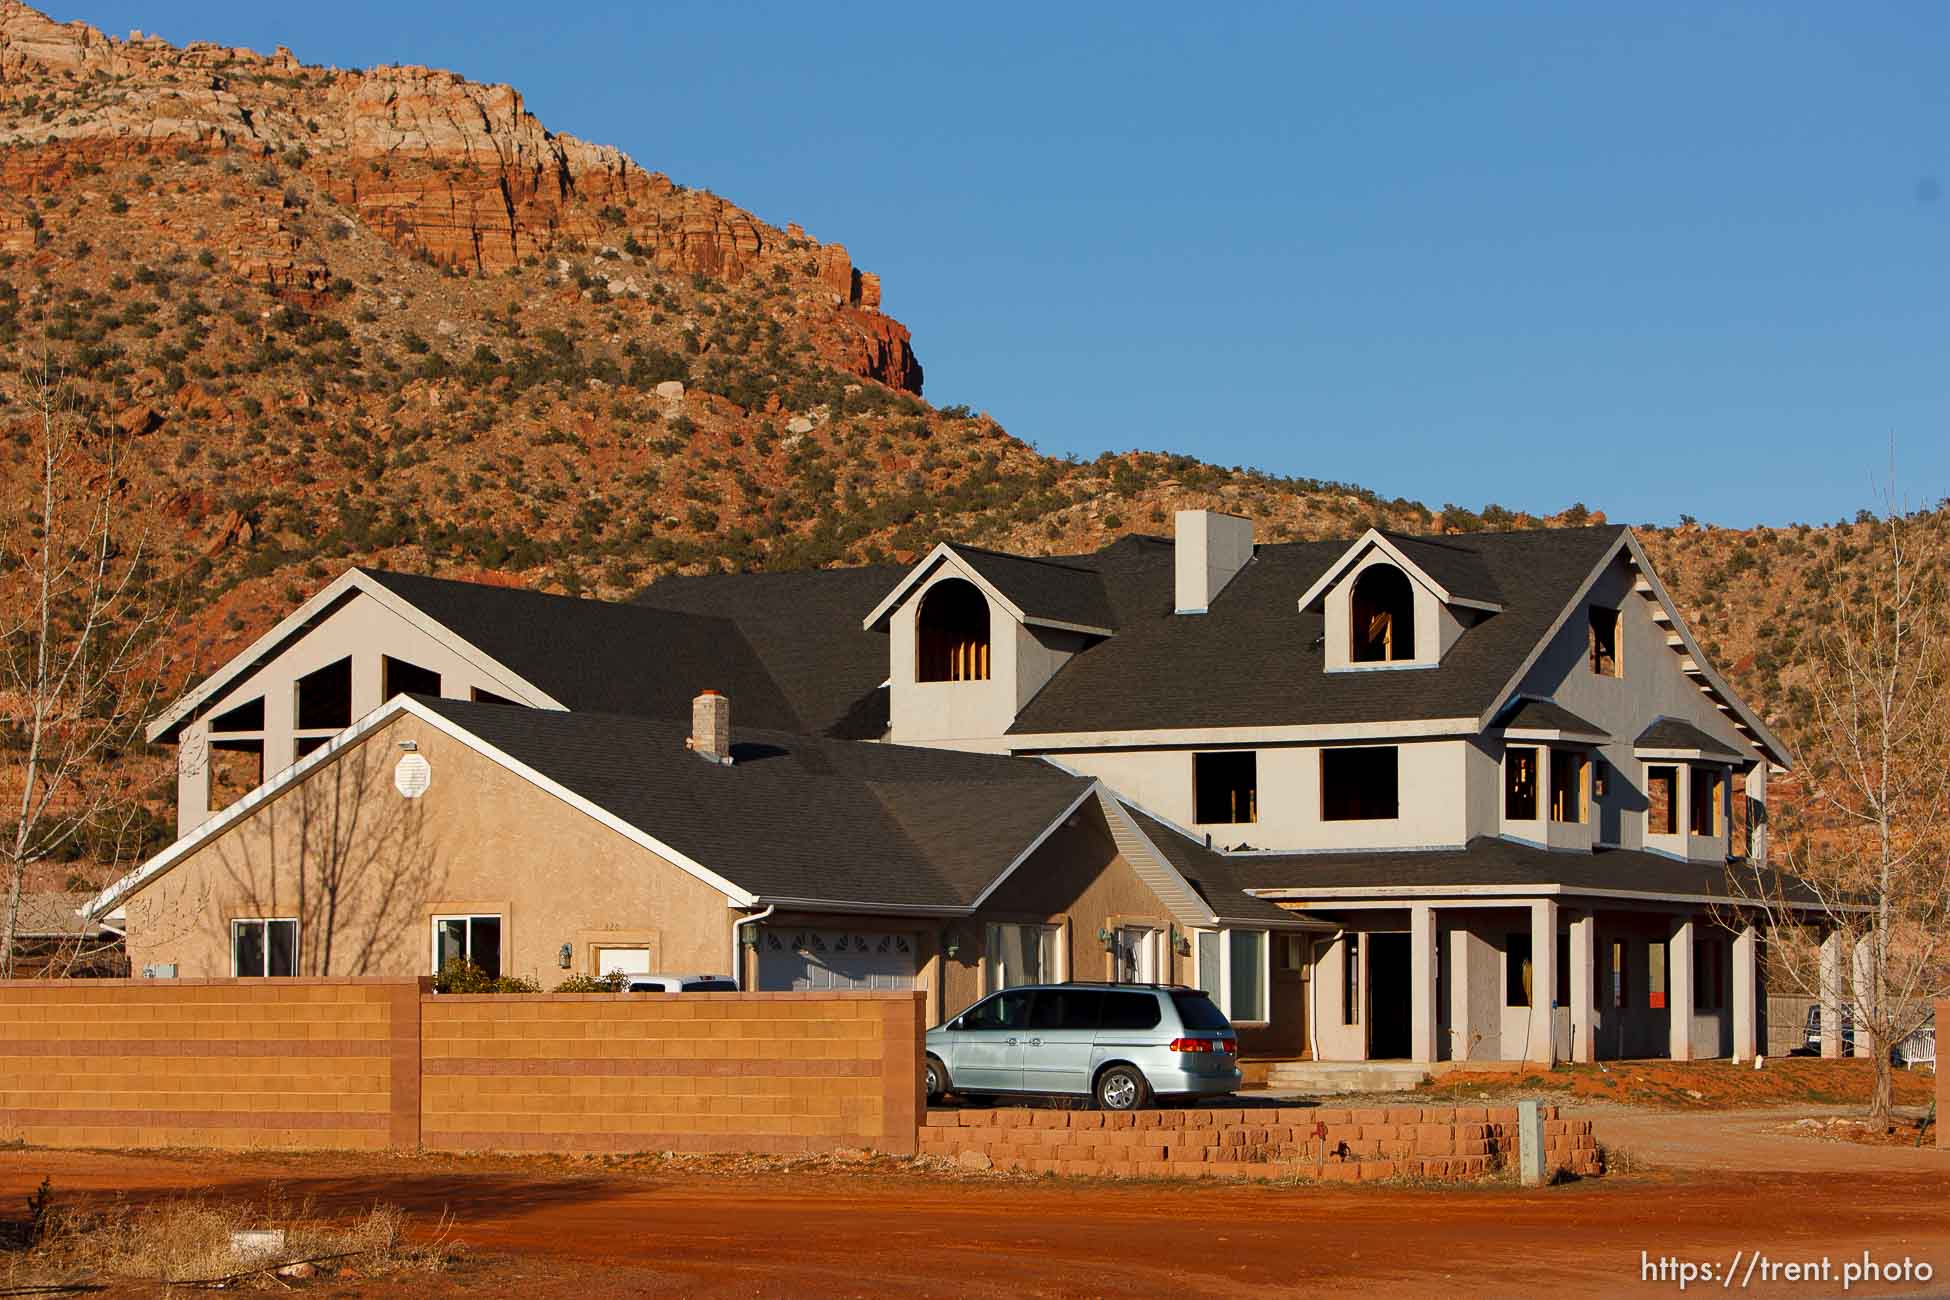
point(1382, 615)
point(952, 633)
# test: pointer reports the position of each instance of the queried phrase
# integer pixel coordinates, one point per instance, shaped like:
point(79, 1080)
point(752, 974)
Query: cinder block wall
point(1442, 1143)
point(284, 1064)
point(768, 1072)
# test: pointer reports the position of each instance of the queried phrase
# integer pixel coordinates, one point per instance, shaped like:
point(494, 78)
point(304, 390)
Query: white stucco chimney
point(711, 726)
point(1209, 549)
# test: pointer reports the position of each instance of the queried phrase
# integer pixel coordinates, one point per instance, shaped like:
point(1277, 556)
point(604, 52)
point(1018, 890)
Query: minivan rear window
point(1131, 1011)
point(1196, 1011)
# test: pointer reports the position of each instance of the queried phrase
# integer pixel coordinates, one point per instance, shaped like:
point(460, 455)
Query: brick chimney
point(711, 726)
point(1208, 549)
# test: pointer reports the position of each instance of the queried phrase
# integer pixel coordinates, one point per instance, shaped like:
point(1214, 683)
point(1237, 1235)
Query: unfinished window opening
point(306, 744)
point(1351, 980)
point(1709, 974)
point(489, 697)
point(1568, 775)
point(236, 769)
point(325, 698)
point(1563, 970)
point(468, 938)
point(1618, 985)
point(1520, 783)
point(1741, 843)
point(1360, 784)
point(1604, 642)
point(263, 947)
point(1655, 976)
point(398, 677)
point(1382, 612)
point(1516, 970)
point(1708, 801)
point(952, 633)
point(1225, 787)
point(1662, 801)
point(248, 716)
point(1600, 778)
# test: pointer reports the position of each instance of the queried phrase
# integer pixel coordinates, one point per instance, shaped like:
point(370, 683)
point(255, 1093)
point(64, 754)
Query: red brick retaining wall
point(1449, 1143)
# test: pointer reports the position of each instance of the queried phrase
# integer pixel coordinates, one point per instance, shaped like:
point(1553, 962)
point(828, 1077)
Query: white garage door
point(631, 961)
point(818, 960)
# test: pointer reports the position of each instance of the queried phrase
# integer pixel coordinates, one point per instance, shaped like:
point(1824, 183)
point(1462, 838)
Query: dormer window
point(1382, 615)
point(952, 633)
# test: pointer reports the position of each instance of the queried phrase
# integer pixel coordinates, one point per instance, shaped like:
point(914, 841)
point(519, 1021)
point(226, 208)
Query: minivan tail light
point(1197, 1045)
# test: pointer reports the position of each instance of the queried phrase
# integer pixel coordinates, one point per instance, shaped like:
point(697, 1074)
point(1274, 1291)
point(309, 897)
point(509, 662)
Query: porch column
point(1679, 991)
point(1831, 995)
point(1543, 980)
point(1746, 994)
point(1863, 991)
point(1584, 962)
point(1421, 975)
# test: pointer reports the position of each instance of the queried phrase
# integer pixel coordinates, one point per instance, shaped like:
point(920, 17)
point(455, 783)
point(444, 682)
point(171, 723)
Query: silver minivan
point(1121, 1044)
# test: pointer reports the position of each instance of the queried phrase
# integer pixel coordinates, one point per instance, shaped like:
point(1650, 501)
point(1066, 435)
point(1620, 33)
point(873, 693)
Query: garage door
point(631, 961)
point(817, 960)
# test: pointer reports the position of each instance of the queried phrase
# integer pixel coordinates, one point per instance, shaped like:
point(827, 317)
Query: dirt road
point(564, 1228)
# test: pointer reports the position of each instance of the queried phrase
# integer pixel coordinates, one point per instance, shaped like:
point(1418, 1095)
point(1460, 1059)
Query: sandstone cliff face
point(448, 169)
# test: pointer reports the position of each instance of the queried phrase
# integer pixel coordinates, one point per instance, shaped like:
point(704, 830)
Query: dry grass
point(187, 1241)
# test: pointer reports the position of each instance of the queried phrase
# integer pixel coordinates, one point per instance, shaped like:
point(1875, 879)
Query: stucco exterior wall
point(1653, 686)
point(1432, 789)
point(365, 871)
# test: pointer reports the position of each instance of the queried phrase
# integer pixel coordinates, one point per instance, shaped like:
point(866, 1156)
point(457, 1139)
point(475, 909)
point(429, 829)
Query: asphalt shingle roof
point(1485, 860)
point(796, 817)
point(1547, 715)
point(1671, 733)
point(1256, 660)
point(1458, 565)
point(601, 656)
point(805, 630)
point(1212, 874)
point(1063, 591)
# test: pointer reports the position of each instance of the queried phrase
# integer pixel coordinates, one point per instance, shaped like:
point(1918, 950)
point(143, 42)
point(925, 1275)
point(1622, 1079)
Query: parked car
point(1917, 1049)
point(680, 984)
point(1811, 1041)
point(1121, 1044)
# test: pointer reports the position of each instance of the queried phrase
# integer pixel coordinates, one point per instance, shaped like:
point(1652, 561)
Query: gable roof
point(1454, 570)
point(1060, 592)
point(600, 656)
point(1216, 878)
point(793, 820)
point(796, 818)
point(1257, 660)
point(563, 652)
point(1676, 734)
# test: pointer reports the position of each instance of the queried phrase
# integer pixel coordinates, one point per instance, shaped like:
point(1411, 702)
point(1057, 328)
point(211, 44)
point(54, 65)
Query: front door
point(1137, 955)
point(1062, 1041)
point(987, 1043)
point(1390, 993)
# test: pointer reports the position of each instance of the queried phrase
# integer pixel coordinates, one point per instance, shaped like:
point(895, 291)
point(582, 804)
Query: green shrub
point(458, 975)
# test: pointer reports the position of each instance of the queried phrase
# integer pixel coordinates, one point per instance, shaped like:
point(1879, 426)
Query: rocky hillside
point(386, 316)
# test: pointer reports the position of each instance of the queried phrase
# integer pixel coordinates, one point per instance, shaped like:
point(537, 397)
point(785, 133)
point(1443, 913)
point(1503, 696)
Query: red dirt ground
point(546, 1228)
point(1695, 1085)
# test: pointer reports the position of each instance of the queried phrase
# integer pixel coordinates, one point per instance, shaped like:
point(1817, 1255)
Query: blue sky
point(1660, 261)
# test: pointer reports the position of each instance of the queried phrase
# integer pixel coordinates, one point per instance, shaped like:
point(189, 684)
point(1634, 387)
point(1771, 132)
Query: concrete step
point(1330, 1078)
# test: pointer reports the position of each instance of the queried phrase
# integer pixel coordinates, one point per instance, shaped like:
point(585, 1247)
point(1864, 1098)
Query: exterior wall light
point(1106, 938)
point(565, 956)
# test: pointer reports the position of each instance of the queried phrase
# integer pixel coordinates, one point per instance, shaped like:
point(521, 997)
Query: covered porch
point(1536, 979)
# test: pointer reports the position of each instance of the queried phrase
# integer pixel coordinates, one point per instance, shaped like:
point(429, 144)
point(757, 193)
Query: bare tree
point(348, 858)
point(1862, 844)
point(78, 652)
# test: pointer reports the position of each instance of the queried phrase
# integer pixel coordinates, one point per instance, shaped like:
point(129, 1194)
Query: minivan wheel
point(937, 1076)
point(1121, 1088)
